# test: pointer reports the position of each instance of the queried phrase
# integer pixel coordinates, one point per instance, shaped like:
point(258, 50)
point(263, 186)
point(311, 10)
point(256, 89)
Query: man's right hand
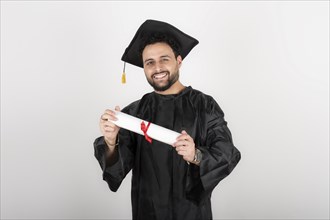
point(108, 128)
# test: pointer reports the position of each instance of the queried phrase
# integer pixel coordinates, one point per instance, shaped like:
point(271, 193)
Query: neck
point(176, 88)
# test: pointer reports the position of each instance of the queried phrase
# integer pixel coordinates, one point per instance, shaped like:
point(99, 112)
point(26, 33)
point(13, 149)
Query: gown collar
point(173, 96)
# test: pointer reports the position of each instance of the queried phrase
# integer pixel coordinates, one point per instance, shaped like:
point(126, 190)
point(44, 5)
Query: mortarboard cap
point(132, 54)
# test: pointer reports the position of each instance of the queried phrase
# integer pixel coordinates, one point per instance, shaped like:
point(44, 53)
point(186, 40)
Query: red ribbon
point(144, 128)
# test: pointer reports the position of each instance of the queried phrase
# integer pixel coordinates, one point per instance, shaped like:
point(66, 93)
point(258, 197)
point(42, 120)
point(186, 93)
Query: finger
point(181, 148)
point(109, 124)
point(112, 118)
point(181, 137)
point(180, 152)
point(105, 118)
point(117, 108)
point(187, 136)
point(185, 142)
point(184, 136)
point(109, 129)
point(109, 115)
point(181, 143)
point(109, 112)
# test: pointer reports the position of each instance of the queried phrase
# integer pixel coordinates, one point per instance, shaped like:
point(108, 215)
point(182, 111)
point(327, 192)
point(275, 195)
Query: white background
point(265, 62)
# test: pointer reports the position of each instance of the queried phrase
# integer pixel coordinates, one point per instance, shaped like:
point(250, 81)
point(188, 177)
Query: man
point(168, 182)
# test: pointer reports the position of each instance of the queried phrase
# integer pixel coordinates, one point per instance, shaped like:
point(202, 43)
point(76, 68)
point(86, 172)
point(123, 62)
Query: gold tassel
point(123, 76)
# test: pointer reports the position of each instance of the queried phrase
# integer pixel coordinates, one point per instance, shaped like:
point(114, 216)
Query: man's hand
point(185, 146)
point(108, 128)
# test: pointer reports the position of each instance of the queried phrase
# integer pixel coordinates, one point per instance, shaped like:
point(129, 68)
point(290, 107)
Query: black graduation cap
point(132, 53)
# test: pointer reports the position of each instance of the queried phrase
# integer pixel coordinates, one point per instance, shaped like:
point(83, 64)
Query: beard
point(161, 87)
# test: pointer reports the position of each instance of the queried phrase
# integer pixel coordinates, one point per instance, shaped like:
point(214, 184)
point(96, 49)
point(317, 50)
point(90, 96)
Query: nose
point(158, 67)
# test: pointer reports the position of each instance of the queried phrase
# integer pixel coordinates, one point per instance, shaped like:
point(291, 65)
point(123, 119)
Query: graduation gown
point(164, 186)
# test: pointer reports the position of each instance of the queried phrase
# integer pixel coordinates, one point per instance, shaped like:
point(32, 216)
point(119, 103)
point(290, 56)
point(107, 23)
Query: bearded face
point(161, 67)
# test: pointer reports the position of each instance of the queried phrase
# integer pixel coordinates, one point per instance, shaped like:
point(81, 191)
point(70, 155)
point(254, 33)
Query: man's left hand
point(185, 146)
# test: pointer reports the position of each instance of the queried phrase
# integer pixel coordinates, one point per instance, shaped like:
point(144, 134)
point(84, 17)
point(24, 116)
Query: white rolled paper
point(154, 131)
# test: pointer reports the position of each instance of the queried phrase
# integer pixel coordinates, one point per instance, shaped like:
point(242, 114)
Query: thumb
point(183, 132)
point(117, 108)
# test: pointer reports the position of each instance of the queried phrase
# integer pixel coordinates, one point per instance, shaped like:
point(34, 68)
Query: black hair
point(163, 38)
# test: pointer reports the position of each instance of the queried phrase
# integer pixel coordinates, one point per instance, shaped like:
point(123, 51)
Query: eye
point(149, 63)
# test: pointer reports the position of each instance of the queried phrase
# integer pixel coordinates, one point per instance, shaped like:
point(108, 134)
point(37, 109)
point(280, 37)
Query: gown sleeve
point(220, 156)
point(116, 168)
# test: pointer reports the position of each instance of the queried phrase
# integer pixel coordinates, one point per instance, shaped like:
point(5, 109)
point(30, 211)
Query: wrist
point(198, 156)
point(111, 149)
point(111, 143)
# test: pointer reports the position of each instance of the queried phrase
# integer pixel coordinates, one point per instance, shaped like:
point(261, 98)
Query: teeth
point(159, 76)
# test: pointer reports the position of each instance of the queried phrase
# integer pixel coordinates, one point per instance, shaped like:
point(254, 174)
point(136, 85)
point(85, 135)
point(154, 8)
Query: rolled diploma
point(156, 132)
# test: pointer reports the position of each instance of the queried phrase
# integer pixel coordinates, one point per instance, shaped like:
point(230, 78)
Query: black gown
point(164, 186)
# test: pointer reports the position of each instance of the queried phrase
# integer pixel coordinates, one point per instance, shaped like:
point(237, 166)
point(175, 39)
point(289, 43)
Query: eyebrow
point(165, 56)
point(150, 59)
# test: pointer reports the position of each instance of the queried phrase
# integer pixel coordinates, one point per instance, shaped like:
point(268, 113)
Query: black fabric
point(132, 52)
point(164, 186)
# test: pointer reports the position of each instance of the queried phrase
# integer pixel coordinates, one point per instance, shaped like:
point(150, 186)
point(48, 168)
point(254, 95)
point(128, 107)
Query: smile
point(159, 75)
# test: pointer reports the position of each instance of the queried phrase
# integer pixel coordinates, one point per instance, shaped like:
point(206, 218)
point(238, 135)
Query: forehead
point(156, 50)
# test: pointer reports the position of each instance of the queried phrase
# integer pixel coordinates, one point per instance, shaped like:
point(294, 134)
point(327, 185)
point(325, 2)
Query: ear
point(179, 60)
